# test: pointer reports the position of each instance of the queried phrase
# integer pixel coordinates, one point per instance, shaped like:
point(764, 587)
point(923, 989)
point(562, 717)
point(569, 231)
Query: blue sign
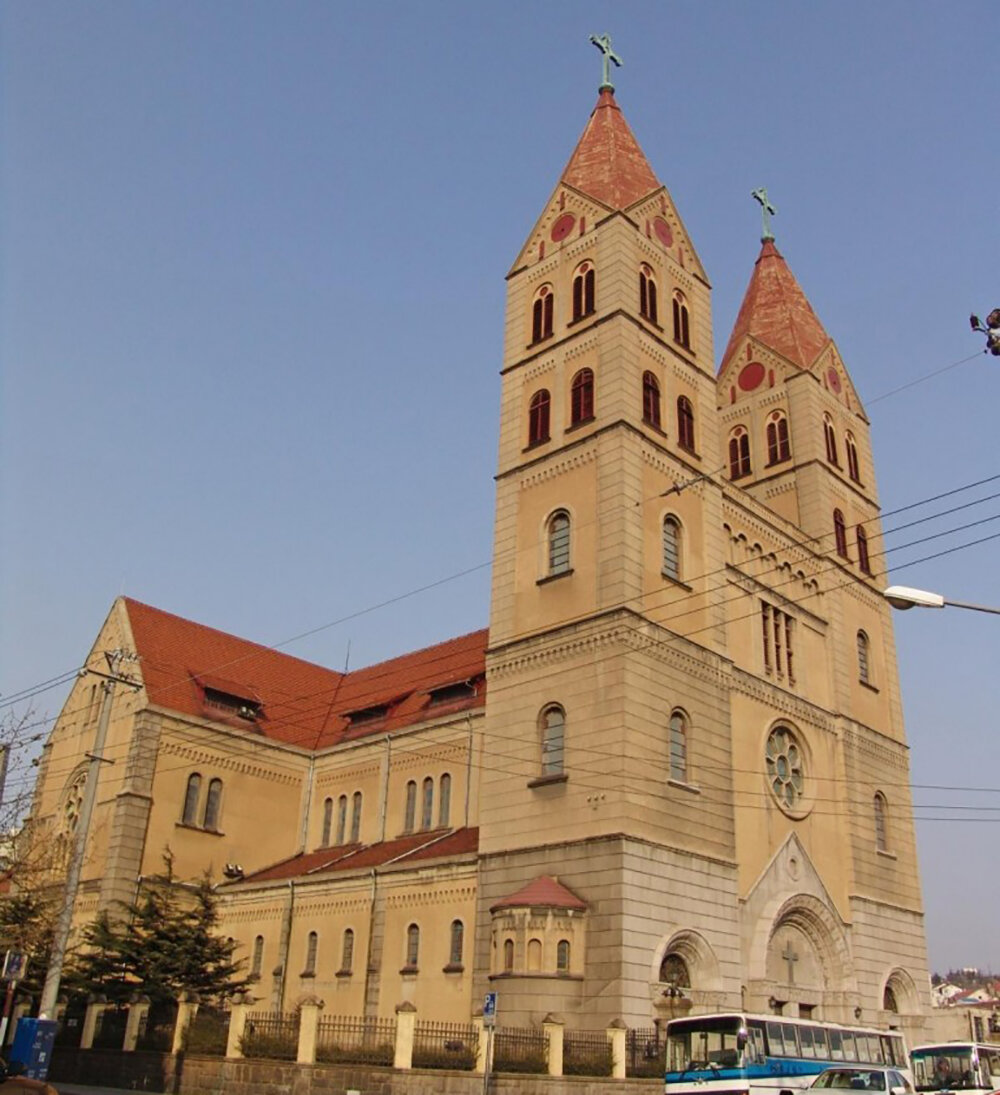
point(490, 1006)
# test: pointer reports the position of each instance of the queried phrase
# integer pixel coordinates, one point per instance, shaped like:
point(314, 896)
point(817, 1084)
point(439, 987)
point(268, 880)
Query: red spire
point(607, 163)
point(776, 312)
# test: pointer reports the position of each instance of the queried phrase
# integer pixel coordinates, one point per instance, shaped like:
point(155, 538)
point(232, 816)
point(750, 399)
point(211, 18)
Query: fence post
point(138, 1008)
point(617, 1032)
point(95, 1009)
point(406, 1025)
point(187, 1008)
point(309, 1009)
point(477, 1022)
point(237, 1025)
point(553, 1026)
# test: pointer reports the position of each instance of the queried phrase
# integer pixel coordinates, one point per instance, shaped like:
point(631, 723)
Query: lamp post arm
point(975, 608)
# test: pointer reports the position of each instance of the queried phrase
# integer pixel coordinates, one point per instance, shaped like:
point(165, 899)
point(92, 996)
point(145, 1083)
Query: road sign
point(490, 1009)
point(15, 966)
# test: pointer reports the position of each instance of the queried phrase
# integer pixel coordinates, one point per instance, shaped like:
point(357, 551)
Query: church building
point(670, 776)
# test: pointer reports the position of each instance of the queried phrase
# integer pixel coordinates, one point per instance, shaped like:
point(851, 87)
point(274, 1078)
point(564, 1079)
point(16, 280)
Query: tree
point(161, 945)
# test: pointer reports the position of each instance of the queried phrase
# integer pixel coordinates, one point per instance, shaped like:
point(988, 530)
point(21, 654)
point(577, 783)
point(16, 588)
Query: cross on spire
point(766, 210)
point(603, 43)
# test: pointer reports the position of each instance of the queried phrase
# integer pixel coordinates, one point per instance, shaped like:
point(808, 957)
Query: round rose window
point(785, 768)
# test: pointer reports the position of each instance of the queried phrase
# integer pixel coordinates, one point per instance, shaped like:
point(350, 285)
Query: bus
point(734, 1053)
point(957, 1066)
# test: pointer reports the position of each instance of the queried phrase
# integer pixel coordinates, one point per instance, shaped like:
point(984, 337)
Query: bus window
point(806, 1041)
point(992, 1058)
point(889, 1054)
point(819, 1039)
point(755, 1046)
point(836, 1046)
point(850, 1049)
point(788, 1033)
point(775, 1043)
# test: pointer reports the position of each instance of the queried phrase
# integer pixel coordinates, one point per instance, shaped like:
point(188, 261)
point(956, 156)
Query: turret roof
point(607, 163)
point(543, 892)
point(777, 313)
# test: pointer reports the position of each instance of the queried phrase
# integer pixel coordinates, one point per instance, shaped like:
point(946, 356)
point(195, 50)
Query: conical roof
point(776, 312)
point(607, 163)
point(543, 892)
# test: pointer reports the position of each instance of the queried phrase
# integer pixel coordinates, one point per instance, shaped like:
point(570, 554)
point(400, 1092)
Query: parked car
point(886, 1080)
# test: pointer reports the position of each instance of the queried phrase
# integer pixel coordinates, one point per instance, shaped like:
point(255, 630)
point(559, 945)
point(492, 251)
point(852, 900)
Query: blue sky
point(252, 296)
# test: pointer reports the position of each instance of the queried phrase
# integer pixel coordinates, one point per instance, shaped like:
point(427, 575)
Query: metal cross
point(766, 209)
point(610, 58)
point(791, 958)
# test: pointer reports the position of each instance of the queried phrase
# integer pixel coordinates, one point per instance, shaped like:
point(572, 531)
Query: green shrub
point(382, 1054)
point(592, 1063)
point(463, 1058)
point(277, 1047)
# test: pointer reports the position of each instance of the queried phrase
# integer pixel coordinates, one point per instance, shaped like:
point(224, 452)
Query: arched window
point(508, 955)
point(777, 438)
point(412, 946)
point(840, 533)
point(341, 819)
point(538, 417)
point(410, 816)
point(558, 537)
point(356, 817)
point(258, 956)
point(562, 956)
point(863, 560)
point(830, 437)
point(312, 946)
point(650, 399)
point(583, 291)
point(678, 746)
point(853, 469)
point(647, 293)
point(191, 796)
point(553, 728)
point(213, 804)
point(674, 971)
point(347, 951)
point(682, 331)
point(671, 548)
point(324, 840)
point(457, 943)
point(541, 314)
point(889, 1002)
point(582, 397)
point(739, 453)
point(534, 955)
point(444, 801)
point(427, 804)
point(685, 423)
point(880, 811)
point(864, 661)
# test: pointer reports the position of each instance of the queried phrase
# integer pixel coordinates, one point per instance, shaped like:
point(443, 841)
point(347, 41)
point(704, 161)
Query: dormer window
point(368, 714)
point(227, 705)
point(453, 693)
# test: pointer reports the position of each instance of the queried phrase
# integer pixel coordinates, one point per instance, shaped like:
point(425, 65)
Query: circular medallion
point(663, 233)
point(751, 376)
point(833, 377)
point(562, 228)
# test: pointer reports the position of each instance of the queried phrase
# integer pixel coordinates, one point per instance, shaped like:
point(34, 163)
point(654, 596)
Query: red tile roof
point(301, 703)
point(607, 163)
point(543, 892)
point(776, 312)
point(404, 849)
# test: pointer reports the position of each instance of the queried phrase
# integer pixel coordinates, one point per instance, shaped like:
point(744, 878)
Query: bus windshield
point(949, 1067)
point(712, 1042)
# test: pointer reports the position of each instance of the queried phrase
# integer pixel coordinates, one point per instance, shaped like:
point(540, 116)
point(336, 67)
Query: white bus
point(734, 1053)
point(957, 1066)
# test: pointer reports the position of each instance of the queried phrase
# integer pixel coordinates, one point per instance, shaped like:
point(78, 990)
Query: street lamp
point(903, 597)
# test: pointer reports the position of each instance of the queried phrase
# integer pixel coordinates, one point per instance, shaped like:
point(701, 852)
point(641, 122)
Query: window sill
point(652, 322)
point(340, 974)
point(683, 785)
point(536, 444)
point(539, 341)
point(740, 475)
point(578, 425)
point(688, 450)
point(454, 967)
point(545, 781)
point(886, 854)
point(554, 577)
point(198, 829)
point(654, 426)
point(580, 319)
point(409, 971)
point(308, 974)
point(780, 460)
point(676, 581)
point(870, 687)
point(684, 346)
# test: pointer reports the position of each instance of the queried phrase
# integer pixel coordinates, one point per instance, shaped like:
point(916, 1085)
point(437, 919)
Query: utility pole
point(50, 991)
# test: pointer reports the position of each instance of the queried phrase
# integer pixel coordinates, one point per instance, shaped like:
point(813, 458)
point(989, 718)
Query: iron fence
point(110, 1030)
point(368, 1041)
point(271, 1034)
point(70, 1028)
point(520, 1050)
point(645, 1053)
point(445, 1045)
point(587, 1053)
point(156, 1028)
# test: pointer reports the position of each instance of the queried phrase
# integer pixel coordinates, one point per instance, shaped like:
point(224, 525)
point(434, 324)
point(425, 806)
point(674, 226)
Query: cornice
point(778, 699)
point(206, 756)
